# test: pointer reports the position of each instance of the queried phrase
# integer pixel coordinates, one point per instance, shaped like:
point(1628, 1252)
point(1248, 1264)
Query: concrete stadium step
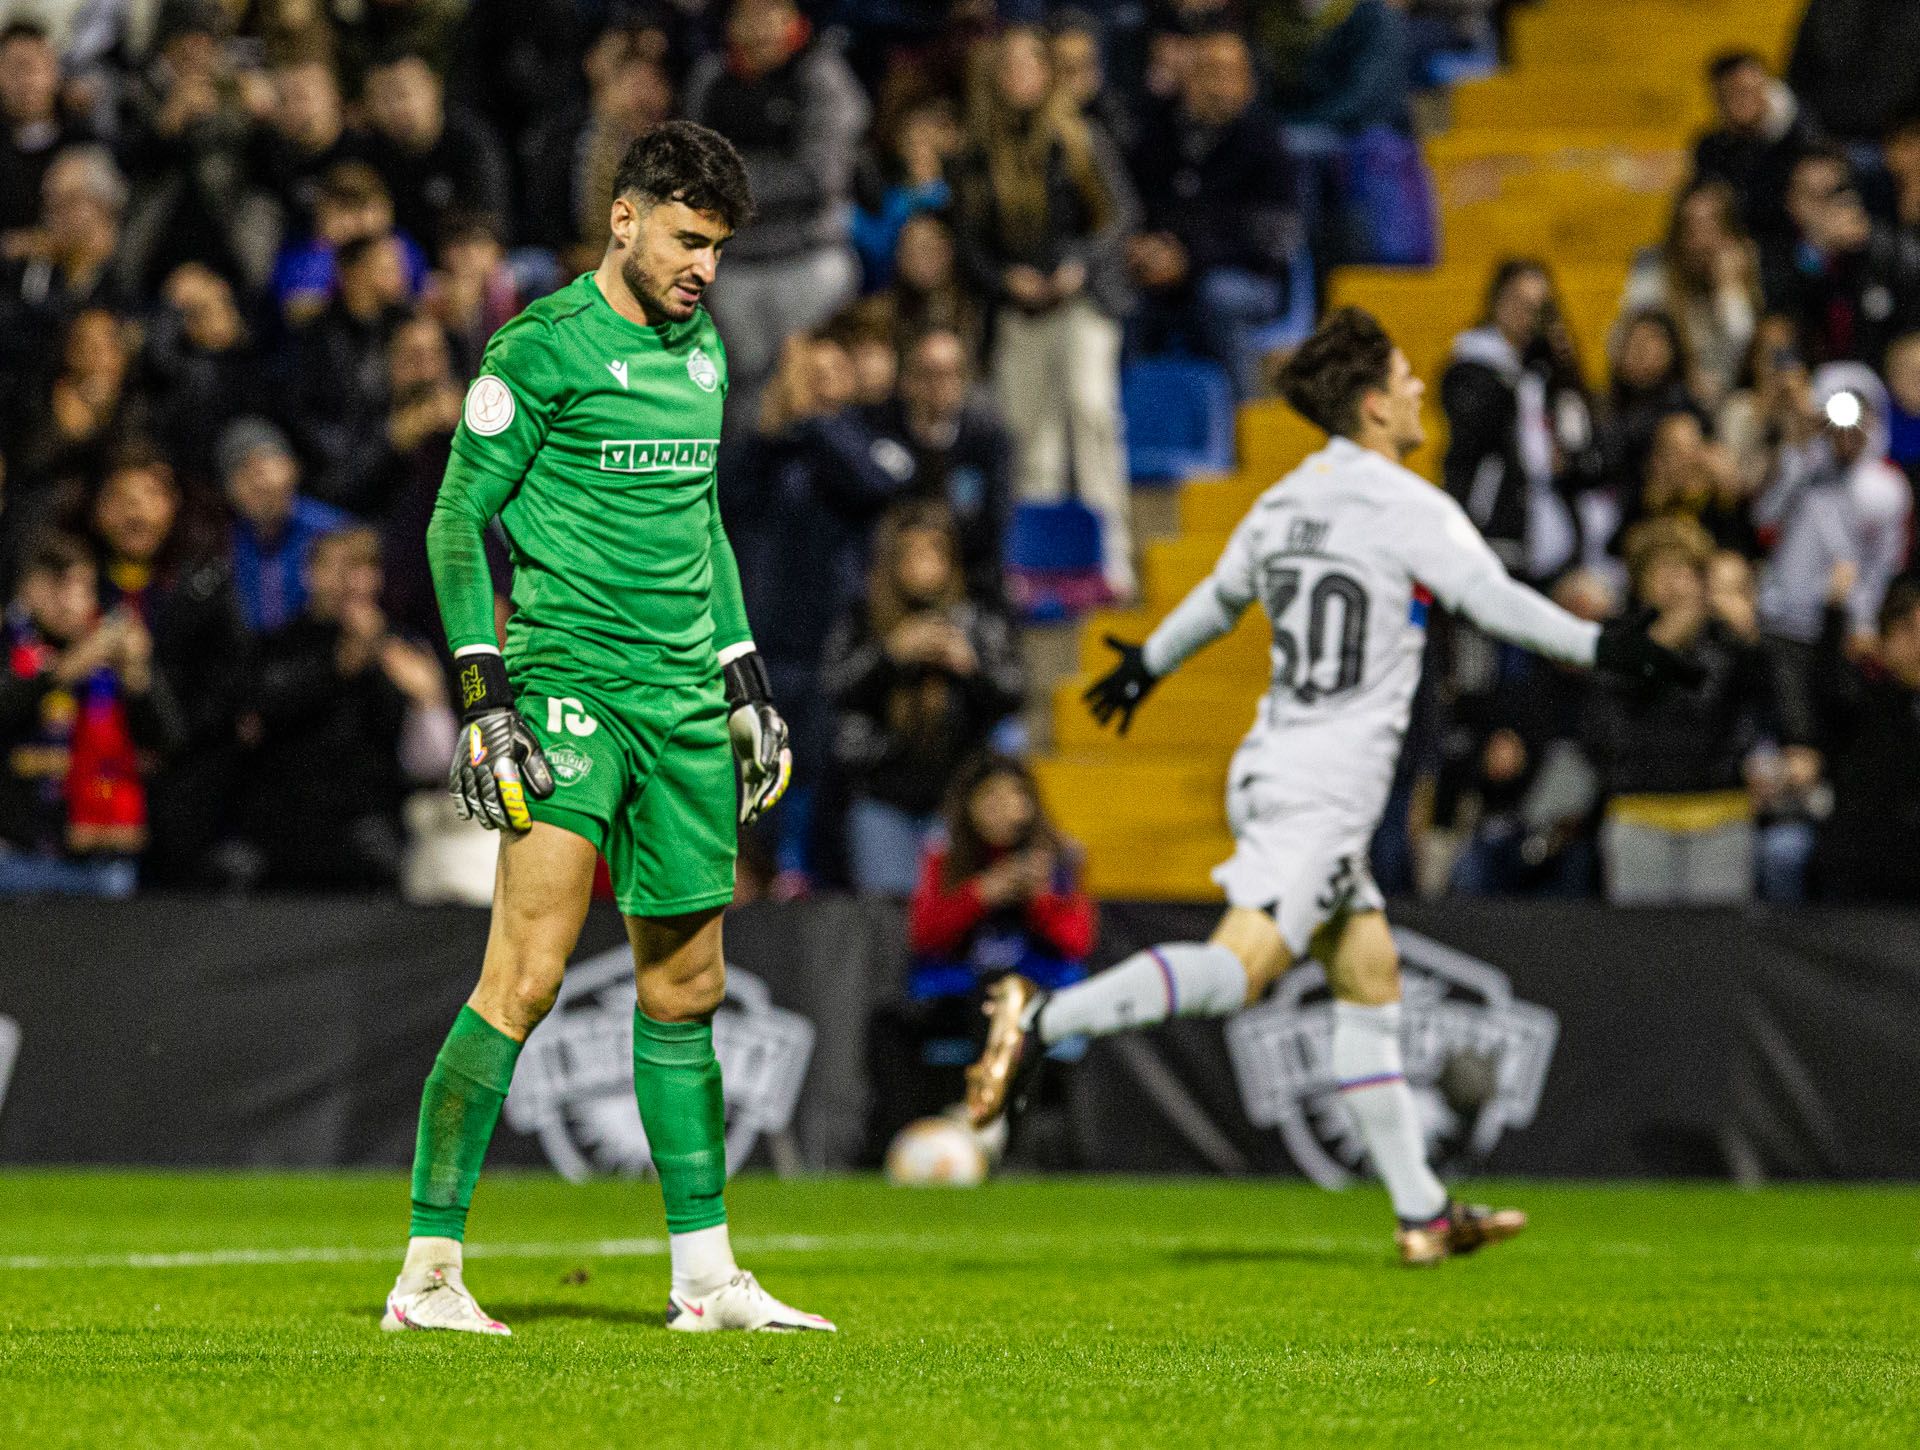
point(1114, 791)
point(1192, 715)
point(1671, 35)
point(1574, 94)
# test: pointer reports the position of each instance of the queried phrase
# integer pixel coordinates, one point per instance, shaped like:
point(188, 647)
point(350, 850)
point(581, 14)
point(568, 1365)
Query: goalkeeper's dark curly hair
point(683, 162)
point(1347, 358)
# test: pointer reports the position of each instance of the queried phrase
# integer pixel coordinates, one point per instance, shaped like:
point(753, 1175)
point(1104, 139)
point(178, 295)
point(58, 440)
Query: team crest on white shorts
point(1476, 1059)
point(489, 406)
point(700, 368)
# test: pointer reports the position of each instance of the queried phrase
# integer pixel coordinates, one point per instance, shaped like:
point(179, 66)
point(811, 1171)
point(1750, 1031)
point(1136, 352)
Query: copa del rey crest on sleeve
point(607, 431)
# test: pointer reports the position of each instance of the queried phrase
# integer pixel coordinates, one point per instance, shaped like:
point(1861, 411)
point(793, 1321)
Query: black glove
point(759, 736)
point(496, 761)
point(1627, 650)
point(1121, 689)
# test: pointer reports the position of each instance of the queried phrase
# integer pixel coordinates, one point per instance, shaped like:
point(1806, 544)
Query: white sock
point(1180, 979)
point(1373, 1084)
point(427, 1253)
point(702, 1260)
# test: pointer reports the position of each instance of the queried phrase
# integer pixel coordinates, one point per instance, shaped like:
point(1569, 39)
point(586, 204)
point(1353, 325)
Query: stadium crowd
point(251, 251)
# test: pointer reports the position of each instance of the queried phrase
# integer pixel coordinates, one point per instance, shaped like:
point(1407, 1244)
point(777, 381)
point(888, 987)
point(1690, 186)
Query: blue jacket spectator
point(273, 527)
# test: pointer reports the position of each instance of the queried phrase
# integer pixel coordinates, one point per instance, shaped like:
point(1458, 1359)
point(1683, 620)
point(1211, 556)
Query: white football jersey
point(1345, 554)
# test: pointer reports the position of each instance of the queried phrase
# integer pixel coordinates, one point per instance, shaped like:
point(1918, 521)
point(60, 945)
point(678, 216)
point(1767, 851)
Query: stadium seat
point(1179, 414)
point(1053, 560)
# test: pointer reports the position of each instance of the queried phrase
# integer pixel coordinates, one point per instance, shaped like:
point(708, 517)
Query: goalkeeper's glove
point(1120, 691)
point(759, 736)
point(1627, 650)
point(496, 763)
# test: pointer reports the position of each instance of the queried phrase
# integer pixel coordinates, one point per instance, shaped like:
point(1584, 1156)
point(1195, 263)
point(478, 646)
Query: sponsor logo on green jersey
point(706, 377)
point(665, 455)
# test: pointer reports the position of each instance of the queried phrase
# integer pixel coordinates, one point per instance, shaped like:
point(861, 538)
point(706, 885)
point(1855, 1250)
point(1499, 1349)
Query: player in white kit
point(1344, 554)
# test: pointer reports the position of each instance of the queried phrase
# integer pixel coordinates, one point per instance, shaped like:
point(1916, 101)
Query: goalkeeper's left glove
point(497, 763)
point(759, 736)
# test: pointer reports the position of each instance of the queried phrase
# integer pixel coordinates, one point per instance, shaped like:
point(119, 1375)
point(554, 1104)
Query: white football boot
point(740, 1303)
point(438, 1300)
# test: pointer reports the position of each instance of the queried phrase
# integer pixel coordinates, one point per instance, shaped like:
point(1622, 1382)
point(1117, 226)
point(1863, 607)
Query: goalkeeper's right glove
point(1120, 691)
point(496, 761)
point(1626, 649)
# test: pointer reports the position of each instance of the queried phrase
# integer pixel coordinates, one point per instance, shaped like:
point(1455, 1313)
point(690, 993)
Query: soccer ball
point(936, 1152)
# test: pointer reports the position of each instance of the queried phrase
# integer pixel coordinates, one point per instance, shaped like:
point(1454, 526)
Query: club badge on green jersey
point(701, 369)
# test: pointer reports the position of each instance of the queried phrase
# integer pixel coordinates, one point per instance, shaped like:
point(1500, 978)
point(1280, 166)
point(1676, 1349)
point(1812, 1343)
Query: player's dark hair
point(1901, 599)
point(1727, 62)
point(684, 162)
point(1326, 379)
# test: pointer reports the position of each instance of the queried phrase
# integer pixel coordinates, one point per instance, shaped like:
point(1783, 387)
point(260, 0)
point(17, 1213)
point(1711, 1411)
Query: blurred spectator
point(1900, 155)
point(1758, 136)
point(1218, 193)
point(339, 394)
point(306, 136)
point(1074, 46)
point(1903, 404)
point(1650, 370)
point(1358, 72)
point(926, 293)
point(1043, 211)
point(796, 113)
point(1535, 785)
point(1518, 423)
point(90, 405)
point(1679, 824)
point(202, 368)
point(473, 292)
point(1833, 499)
point(900, 181)
point(1869, 847)
point(865, 331)
point(273, 526)
point(1851, 283)
point(1771, 407)
point(1690, 476)
point(81, 714)
point(1853, 64)
point(364, 34)
point(187, 135)
point(569, 160)
point(1706, 275)
point(425, 397)
point(919, 677)
point(351, 204)
point(433, 157)
point(33, 130)
point(164, 563)
point(1001, 893)
point(73, 260)
point(337, 686)
point(945, 446)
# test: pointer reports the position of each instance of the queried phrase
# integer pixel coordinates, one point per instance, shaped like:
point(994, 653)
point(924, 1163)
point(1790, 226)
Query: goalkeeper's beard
point(653, 304)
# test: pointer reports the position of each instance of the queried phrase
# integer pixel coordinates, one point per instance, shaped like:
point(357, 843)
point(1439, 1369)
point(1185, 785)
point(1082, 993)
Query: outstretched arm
point(1442, 549)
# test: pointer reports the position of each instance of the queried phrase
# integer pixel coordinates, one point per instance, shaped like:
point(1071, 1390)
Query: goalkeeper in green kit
point(628, 691)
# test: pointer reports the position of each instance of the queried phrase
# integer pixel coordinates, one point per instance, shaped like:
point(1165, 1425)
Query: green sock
point(461, 1104)
point(676, 1078)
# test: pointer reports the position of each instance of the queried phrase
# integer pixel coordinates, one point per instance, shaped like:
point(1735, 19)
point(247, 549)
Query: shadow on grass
point(1277, 1254)
point(603, 1313)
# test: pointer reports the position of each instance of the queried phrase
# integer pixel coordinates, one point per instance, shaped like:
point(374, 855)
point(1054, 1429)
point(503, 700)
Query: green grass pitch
point(211, 1310)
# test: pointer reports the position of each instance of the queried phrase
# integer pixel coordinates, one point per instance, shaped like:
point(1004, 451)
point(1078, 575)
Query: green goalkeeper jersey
point(593, 439)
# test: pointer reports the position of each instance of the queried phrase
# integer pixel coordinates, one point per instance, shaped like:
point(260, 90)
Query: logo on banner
point(9, 1054)
point(573, 1086)
point(1476, 1059)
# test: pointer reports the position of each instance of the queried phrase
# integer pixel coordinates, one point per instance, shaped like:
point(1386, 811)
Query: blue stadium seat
point(1053, 560)
point(1179, 418)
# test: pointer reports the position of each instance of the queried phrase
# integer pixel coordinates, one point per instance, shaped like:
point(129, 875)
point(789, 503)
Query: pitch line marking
point(637, 1248)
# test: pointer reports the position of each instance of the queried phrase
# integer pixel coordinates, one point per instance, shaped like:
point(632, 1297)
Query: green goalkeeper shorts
point(647, 776)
